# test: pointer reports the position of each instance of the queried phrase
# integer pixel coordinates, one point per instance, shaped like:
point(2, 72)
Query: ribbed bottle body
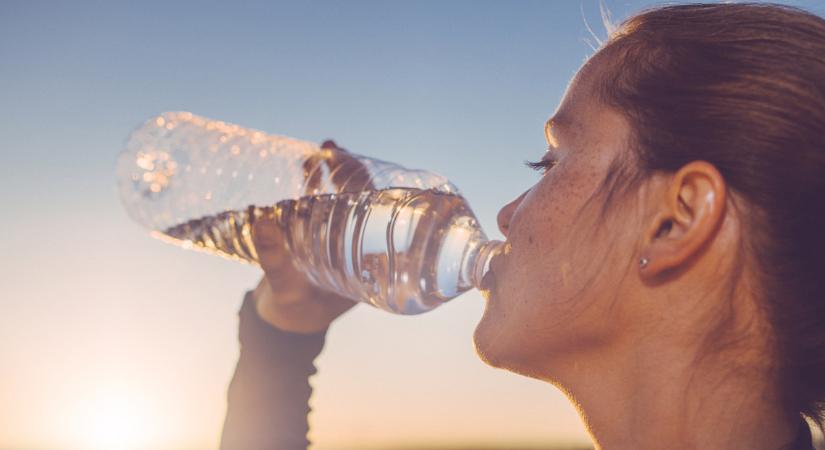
point(402, 240)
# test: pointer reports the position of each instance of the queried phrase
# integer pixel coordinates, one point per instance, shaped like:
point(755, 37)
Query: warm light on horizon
point(117, 418)
point(110, 339)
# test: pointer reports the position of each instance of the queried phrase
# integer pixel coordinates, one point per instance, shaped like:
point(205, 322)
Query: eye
point(543, 166)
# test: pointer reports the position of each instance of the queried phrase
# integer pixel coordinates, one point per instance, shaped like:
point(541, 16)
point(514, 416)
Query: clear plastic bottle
point(402, 240)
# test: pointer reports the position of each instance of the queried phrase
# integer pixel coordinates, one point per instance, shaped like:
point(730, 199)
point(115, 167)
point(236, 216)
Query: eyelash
point(542, 166)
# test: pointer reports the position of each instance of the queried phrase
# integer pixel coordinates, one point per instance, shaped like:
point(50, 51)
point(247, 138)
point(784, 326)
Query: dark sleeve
point(804, 439)
point(268, 398)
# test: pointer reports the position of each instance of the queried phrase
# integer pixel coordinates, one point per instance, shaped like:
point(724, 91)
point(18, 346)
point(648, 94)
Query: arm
point(269, 393)
point(283, 323)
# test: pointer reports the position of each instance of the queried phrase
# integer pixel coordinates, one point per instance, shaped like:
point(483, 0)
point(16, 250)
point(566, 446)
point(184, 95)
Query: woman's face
point(555, 293)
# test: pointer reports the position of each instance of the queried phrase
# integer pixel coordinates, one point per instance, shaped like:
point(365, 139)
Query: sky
point(111, 339)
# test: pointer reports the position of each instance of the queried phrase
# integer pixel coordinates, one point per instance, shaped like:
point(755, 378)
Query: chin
point(506, 350)
point(489, 341)
point(496, 340)
point(496, 351)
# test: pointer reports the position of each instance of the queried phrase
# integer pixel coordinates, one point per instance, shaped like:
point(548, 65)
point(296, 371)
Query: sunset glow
point(113, 340)
point(117, 418)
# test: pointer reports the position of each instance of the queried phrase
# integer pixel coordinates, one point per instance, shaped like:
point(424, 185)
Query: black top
point(803, 439)
point(268, 398)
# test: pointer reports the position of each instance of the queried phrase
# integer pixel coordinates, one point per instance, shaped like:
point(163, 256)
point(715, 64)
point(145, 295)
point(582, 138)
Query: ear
point(687, 218)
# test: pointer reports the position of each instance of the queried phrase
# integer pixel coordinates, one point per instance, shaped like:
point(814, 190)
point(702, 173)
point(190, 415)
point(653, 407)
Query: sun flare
point(116, 418)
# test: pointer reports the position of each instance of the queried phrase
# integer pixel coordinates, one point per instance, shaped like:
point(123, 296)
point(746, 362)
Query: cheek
point(551, 296)
point(516, 317)
point(551, 231)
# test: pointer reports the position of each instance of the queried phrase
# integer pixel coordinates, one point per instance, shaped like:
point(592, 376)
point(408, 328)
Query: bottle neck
point(479, 262)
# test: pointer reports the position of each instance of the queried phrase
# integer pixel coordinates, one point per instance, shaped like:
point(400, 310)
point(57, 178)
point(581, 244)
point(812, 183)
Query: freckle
point(530, 239)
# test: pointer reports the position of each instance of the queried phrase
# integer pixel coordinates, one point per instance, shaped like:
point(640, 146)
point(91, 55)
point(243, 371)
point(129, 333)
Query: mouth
point(487, 282)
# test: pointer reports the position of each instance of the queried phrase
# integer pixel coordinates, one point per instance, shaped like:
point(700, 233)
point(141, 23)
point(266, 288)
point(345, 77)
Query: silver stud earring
point(643, 262)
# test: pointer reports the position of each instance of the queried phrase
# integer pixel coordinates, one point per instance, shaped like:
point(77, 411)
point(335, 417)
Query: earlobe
point(687, 218)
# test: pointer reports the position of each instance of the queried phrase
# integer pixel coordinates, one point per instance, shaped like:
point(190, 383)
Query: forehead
point(576, 115)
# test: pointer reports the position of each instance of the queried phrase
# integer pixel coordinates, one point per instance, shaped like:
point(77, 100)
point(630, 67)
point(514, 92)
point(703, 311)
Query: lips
point(489, 280)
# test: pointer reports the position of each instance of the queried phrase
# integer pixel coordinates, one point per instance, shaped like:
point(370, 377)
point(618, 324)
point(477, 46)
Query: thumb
point(331, 145)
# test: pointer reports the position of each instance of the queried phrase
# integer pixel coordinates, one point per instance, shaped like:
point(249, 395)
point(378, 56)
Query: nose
point(506, 214)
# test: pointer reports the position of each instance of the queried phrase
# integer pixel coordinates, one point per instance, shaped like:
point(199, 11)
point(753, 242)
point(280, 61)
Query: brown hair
point(742, 86)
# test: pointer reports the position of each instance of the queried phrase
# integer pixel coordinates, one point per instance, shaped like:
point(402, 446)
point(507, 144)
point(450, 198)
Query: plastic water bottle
point(402, 240)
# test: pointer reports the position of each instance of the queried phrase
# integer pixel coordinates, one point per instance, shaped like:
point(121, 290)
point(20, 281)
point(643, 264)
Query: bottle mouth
point(481, 262)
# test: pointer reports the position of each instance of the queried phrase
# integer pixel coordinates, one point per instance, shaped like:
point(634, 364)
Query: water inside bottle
point(405, 250)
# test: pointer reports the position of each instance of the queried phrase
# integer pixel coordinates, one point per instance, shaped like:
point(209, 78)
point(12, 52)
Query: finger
point(270, 244)
point(267, 234)
point(329, 144)
point(349, 174)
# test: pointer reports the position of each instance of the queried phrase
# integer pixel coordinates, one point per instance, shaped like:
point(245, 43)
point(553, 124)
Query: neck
point(664, 397)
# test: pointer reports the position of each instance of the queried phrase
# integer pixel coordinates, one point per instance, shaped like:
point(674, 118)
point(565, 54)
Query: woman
point(665, 272)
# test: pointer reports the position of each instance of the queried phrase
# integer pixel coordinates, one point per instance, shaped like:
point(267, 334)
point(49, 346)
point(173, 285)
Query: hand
point(346, 172)
point(285, 297)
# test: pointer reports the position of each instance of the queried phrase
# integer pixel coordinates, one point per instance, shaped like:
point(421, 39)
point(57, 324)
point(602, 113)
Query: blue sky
point(458, 87)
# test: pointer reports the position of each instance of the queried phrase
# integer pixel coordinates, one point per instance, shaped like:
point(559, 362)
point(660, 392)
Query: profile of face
point(556, 293)
point(670, 303)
